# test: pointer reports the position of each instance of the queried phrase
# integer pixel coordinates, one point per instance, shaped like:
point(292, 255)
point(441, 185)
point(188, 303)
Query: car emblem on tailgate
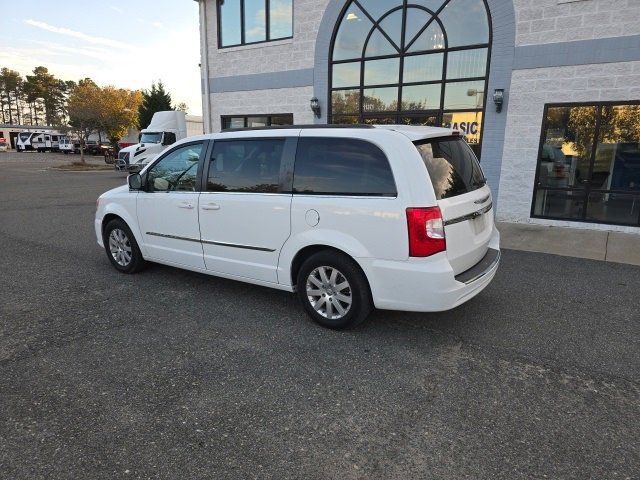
point(469, 216)
point(482, 200)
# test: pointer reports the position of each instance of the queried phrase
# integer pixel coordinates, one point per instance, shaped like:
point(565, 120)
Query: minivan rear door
point(463, 197)
point(244, 208)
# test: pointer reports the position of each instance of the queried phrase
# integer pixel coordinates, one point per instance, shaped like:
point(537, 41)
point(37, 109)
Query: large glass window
point(177, 171)
point(246, 166)
point(243, 22)
point(341, 166)
point(589, 164)
point(415, 62)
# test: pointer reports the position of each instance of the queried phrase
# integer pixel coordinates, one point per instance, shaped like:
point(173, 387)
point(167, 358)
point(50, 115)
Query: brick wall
point(293, 54)
point(550, 21)
point(282, 100)
point(511, 156)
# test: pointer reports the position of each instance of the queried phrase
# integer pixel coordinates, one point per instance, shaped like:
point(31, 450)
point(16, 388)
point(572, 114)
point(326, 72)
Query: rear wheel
point(334, 291)
point(122, 248)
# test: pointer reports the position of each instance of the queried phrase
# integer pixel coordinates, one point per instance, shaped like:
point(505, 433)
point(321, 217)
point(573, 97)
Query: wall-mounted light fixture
point(498, 98)
point(315, 106)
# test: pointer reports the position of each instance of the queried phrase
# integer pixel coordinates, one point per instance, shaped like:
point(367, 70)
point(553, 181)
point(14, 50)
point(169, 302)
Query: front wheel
point(334, 291)
point(122, 248)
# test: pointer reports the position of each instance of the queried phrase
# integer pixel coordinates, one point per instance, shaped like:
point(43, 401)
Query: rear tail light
point(426, 232)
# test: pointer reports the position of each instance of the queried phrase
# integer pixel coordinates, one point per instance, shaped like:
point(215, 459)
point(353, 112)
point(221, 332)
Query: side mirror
point(135, 181)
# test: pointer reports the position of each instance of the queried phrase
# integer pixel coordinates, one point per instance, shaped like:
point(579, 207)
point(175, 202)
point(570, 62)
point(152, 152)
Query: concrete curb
point(600, 245)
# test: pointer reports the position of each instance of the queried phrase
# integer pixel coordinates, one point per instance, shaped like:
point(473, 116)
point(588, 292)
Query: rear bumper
point(429, 285)
point(482, 268)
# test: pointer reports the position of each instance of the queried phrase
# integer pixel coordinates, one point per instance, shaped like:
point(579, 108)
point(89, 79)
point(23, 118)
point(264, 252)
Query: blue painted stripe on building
point(580, 52)
point(262, 81)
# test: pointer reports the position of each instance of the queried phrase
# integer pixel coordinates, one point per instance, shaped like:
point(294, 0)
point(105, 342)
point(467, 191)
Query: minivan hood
point(115, 191)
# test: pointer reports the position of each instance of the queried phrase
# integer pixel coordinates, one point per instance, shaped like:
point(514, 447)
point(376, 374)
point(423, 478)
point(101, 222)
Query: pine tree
point(154, 100)
point(10, 82)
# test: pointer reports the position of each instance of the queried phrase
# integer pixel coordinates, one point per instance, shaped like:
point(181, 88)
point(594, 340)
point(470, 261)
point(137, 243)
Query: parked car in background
point(96, 147)
point(394, 217)
point(68, 145)
point(4, 145)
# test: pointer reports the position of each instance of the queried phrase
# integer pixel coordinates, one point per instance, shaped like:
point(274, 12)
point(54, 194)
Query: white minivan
point(350, 218)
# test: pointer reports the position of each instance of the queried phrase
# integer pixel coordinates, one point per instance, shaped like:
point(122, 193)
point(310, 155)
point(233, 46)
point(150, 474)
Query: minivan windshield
point(151, 137)
point(452, 166)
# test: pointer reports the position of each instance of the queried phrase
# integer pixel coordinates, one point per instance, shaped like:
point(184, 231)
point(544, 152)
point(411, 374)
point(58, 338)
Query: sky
point(127, 44)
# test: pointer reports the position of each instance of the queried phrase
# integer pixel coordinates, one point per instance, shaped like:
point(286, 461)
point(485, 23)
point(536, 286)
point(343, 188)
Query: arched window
point(420, 62)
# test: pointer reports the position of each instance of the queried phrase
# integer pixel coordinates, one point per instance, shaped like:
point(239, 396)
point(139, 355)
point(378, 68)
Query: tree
point(118, 111)
point(10, 81)
point(51, 92)
point(33, 96)
point(84, 105)
point(182, 107)
point(94, 109)
point(154, 100)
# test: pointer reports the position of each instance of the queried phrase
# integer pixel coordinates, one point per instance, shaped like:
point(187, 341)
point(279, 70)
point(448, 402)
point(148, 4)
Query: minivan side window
point(453, 167)
point(177, 171)
point(342, 166)
point(250, 166)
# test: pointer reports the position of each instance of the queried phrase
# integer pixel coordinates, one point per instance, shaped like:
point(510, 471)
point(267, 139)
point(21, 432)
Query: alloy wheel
point(120, 247)
point(329, 292)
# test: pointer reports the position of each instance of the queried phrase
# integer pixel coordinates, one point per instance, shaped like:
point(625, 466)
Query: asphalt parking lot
point(172, 374)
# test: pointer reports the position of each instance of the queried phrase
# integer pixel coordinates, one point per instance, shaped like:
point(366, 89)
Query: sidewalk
point(571, 242)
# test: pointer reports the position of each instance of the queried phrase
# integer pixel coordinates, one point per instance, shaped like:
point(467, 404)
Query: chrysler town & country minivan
point(391, 217)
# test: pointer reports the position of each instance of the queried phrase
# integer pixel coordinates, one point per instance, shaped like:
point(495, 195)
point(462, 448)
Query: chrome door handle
point(211, 206)
point(187, 205)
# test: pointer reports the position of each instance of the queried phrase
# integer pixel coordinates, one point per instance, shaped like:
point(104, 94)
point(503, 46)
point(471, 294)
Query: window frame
point(344, 194)
point(404, 53)
point(198, 184)
point(267, 27)
point(588, 190)
point(285, 179)
point(246, 117)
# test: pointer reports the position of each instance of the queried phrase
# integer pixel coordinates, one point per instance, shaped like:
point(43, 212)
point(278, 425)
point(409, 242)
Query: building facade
point(547, 92)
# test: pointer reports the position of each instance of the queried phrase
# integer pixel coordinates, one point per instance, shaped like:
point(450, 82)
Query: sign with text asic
point(470, 123)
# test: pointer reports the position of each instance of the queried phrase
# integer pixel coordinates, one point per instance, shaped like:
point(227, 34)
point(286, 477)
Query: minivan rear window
point(453, 167)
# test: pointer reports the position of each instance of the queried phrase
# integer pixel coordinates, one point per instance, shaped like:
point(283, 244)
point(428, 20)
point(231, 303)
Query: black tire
point(136, 261)
point(358, 290)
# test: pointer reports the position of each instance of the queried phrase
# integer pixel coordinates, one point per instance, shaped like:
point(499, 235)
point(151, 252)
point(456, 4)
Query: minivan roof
point(416, 132)
point(295, 127)
point(412, 132)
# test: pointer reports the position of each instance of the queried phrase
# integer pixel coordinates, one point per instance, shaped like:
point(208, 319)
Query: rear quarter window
point(342, 166)
point(453, 167)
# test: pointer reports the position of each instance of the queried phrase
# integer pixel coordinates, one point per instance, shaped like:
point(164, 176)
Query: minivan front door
point(168, 209)
point(245, 212)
